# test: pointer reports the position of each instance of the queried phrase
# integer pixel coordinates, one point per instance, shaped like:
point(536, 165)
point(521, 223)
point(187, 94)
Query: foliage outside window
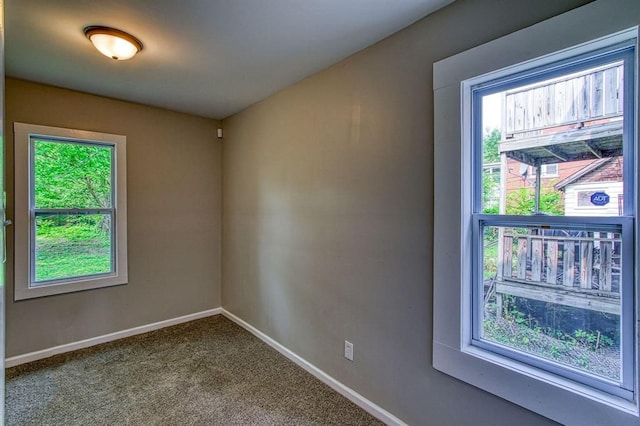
point(72, 189)
point(69, 177)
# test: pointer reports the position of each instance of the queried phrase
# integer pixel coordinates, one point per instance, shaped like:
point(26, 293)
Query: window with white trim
point(549, 170)
point(545, 311)
point(70, 210)
point(549, 289)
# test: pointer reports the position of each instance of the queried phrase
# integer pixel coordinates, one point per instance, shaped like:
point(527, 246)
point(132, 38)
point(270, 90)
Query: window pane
point(549, 170)
point(71, 175)
point(562, 134)
point(554, 294)
point(68, 246)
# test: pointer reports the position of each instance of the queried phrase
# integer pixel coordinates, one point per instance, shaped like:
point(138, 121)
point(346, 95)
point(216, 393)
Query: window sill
point(23, 293)
point(544, 393)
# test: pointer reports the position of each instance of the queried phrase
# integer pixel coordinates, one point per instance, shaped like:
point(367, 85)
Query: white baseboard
point(373, 409)
point(347, 392)
point(45, 353)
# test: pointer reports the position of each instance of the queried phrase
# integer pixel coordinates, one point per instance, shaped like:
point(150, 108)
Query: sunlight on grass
point(73, 249)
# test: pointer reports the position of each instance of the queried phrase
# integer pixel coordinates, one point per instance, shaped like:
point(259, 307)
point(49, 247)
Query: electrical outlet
point(348, 350)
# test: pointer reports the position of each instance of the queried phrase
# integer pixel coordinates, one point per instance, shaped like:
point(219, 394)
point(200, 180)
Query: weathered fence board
point(610, 91)
point(536, 259)
point(567, 263)
point(522, 257)
point(507, 257)
point(597, 108)
point(575, 99)
point(586, 261)
point(561, 296)
point(606, 249)
point(552, 262)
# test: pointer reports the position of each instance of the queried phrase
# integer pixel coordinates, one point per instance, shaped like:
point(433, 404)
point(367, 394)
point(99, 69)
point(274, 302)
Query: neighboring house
point(577, 181)
point(604, 175)
point(521, 175)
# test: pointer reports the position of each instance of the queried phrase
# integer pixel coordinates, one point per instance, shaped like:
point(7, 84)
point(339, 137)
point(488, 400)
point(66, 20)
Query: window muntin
point(532, 259)
point(70, 210)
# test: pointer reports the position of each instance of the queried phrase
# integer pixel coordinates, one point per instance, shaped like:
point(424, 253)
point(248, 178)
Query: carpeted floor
point(205, 372)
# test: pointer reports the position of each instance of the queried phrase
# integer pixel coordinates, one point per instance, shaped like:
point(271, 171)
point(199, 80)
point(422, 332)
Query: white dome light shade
point(113, 47)
point(112, 43)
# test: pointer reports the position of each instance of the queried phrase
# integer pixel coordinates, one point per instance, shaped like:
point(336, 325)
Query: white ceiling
point(206, 57)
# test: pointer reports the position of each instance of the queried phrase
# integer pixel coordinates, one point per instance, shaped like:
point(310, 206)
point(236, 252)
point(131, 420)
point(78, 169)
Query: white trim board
point(81, 344)
point(362, 402)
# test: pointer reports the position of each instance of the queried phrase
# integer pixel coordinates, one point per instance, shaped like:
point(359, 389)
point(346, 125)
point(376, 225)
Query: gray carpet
point(205, 372)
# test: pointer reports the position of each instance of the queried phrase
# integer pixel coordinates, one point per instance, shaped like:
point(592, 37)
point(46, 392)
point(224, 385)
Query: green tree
point(490, 146)
point(490, 195)
point(72, 176)
point(69, 175)
point(522, 202)
point(490, 181)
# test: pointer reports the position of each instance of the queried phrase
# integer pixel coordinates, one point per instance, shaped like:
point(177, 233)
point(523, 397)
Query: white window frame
point(496, 81)
point(544, 170)
point(24, 286)
point(556, 397)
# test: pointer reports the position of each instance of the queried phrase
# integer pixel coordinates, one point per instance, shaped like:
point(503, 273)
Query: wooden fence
point(574, 270)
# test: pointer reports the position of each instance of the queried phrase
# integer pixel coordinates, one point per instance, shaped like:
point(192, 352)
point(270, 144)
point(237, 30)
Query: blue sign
point(600, 198)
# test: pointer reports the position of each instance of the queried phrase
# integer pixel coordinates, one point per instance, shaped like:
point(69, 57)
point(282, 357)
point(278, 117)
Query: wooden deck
point(577, 117)
point(578, 271)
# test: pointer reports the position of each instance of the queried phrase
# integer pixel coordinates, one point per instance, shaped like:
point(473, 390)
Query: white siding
point(571, 207)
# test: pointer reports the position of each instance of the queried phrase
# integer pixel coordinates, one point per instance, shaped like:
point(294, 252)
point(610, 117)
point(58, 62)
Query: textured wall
point(174, 221)
point(328, 213)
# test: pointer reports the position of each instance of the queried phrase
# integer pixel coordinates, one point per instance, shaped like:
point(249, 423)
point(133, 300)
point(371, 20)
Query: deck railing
point(569, 101)
point(575, 270)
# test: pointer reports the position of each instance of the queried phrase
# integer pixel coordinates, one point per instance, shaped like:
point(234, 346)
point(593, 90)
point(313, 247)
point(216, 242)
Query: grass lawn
point(72, 255)
point(490, 260)
point(604, 362)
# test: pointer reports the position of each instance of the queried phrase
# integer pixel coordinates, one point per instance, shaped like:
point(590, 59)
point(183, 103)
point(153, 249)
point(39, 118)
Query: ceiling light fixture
point(113, 43)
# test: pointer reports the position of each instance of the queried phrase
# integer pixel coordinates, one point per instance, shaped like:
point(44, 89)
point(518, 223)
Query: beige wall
point(174, 220)
point(328, 214)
